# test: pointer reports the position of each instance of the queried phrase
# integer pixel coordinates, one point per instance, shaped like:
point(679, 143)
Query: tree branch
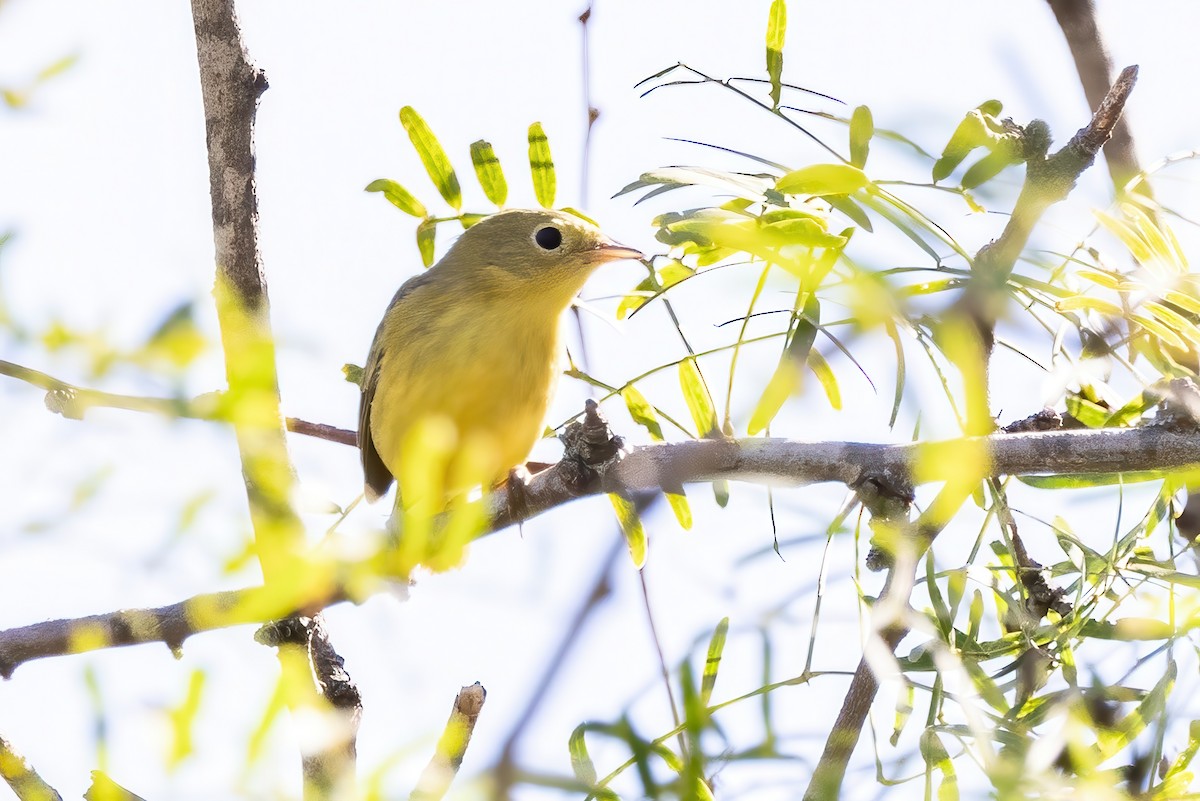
point(330, 771)
point(1077, 20)
point(171, 624)
point(21, 778)
point(452, 746)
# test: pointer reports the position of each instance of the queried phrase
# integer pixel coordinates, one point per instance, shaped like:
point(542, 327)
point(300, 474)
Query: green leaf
point(683, 512)
point(487, 169)
point(716, 645)
point(776, 29)
point(699, 400)
point(784, 382)
point(642, 412)
point(827, 379)
point(398, 196)
point(631, 526)
point(937, 758)
point(823, 179)
point(430, 151)
point(639, 297)
point(426, 231)
point(581, 761)
point(541, 165)
point(862, 128)
point(721, 492)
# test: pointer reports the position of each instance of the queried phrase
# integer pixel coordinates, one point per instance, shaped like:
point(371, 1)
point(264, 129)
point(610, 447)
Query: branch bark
point(21, 778)
point(1093, 64)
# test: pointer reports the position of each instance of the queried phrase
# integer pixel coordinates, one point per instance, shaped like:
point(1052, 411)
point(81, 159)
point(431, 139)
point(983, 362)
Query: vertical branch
point(231, 87)
point(1077, 19)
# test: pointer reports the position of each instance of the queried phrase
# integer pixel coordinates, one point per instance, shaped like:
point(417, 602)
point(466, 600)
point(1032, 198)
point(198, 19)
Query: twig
point(171, 624)
point(506, 768)
point(452, 746)
point(1048, 179)
point(330, 771)
point(73, 401)
point(1077, 19)
point(21, 778)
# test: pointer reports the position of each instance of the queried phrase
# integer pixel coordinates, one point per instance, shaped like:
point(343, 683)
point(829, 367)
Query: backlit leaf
point(699, 399)
point(776, 29)
point(631, 527)
point(433, 156)
point(862, 128)
point(398, 196)
point(823, 179)
point(541, 165)
point(487, 169)
point(426, 231)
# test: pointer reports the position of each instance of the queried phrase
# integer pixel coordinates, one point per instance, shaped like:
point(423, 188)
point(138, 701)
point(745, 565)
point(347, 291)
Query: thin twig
point(21, 778)
point(452, 746)
point(506, 767)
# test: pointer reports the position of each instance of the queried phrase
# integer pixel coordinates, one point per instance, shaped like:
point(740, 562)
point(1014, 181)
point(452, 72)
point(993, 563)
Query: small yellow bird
point(472, 346)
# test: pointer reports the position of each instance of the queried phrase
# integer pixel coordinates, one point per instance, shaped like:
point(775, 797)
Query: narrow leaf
point(776, 29)
point(489, 173)
point(398, 196)
point(784, 382)
point(716, 645)
point(581, 761)
point(862, 128)
point(430, 151)
point(541, 165)
point(699, 400)
point(642, 412)
point(631, 526)
point(683, 512)
point(426, 231)
point(827, 378)
point(823, 179)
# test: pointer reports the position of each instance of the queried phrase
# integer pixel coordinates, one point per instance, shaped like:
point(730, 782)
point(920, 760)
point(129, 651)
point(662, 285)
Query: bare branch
point(170, 624)
point(1077, 19)
point(329, 772)
point(452, 746)
point(21, 778)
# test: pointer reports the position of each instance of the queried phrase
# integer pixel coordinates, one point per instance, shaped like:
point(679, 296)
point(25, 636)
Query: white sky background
point(104, 181)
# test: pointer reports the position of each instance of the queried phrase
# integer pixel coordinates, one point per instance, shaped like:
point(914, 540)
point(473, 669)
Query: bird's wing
point(377, 478)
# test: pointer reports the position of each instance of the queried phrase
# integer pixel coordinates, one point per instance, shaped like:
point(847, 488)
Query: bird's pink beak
point(614, 251)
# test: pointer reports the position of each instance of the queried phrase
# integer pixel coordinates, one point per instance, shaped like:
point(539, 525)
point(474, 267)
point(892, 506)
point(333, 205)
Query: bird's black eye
point(548, 238)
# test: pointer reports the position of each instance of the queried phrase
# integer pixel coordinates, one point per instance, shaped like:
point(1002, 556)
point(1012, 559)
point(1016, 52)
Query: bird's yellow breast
point(468, 365)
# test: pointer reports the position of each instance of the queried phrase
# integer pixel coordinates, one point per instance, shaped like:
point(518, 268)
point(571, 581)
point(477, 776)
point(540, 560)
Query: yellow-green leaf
point(1089, 303)
point(642, 412)
point(712, 661)
point(631, 527)
point(398, 196)
point(541, 165)
point(823, 179)
point(776, 29)
point(784, 382)
point(683, 512)
point(824, 374)
point(699, 400)
point(862, 128)
point(489, 173)
point(433, 156)
point(426, 231)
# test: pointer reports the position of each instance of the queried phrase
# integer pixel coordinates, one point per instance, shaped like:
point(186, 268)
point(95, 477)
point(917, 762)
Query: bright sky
point(103, 179)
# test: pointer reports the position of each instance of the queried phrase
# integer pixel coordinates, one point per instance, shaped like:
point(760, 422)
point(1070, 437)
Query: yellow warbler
point(466, 357)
